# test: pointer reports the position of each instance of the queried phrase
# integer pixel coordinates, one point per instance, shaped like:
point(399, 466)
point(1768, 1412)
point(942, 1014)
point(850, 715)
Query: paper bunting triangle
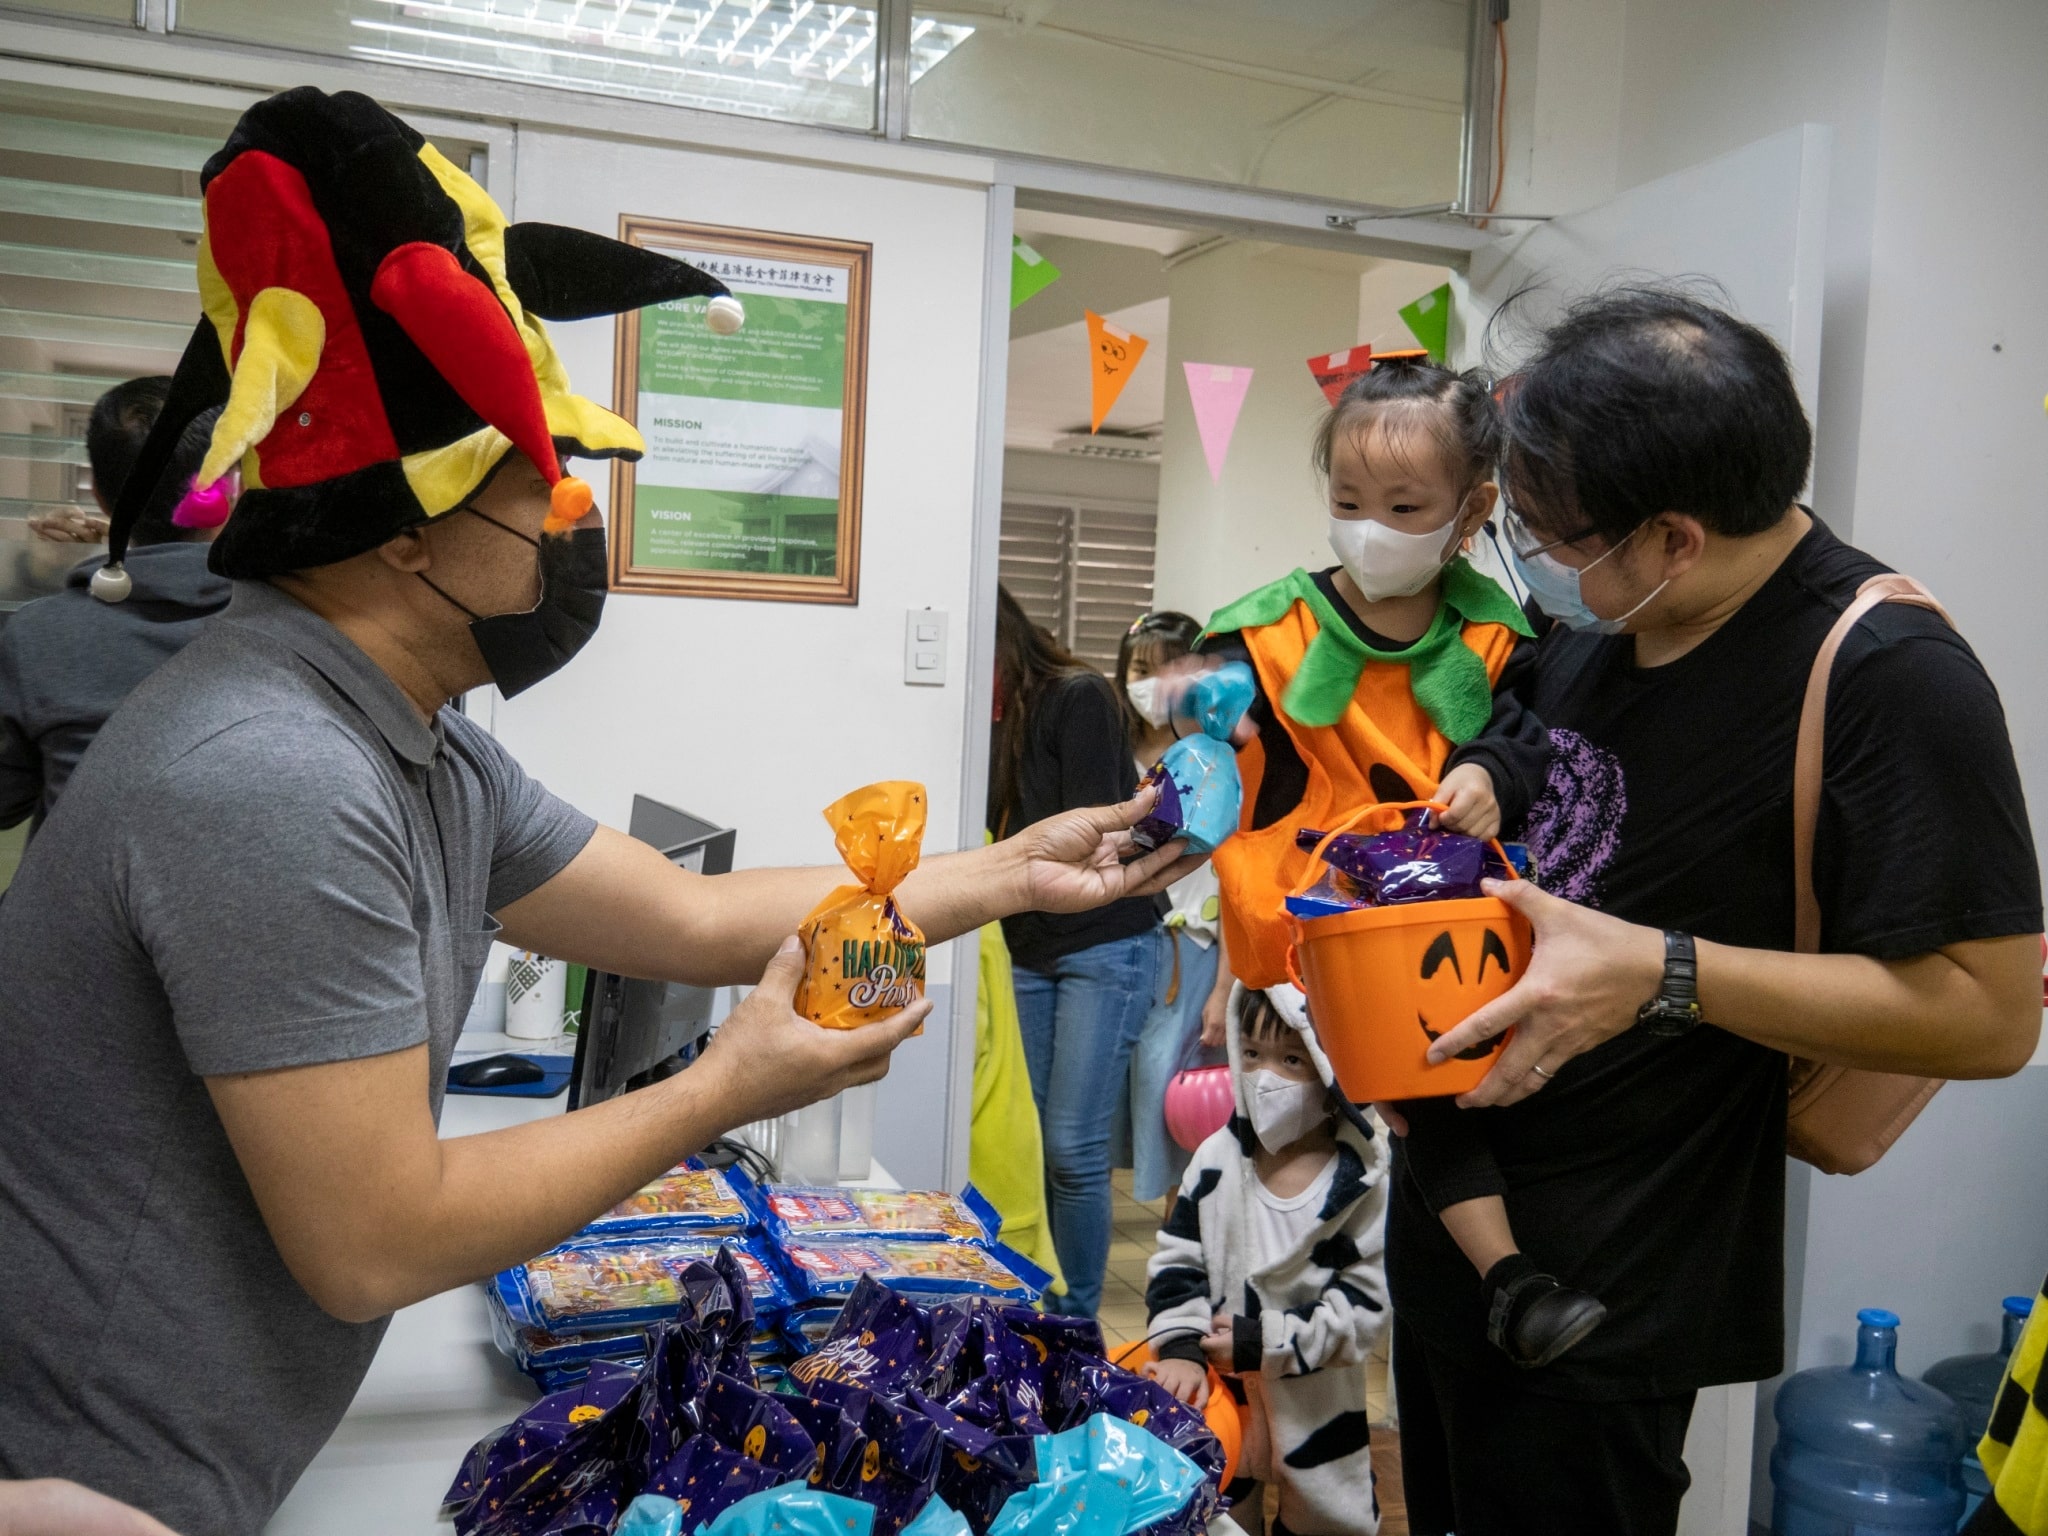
point(1429, 319)
point(1030, 273)
point(1113, 355)
point(1334, 371)
point(1218, 395)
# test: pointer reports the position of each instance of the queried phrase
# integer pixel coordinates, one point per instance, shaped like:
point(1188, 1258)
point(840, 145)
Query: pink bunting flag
point(1218, 395)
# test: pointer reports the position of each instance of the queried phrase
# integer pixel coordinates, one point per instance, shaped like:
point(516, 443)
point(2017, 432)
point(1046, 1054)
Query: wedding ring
point(1546, 1076)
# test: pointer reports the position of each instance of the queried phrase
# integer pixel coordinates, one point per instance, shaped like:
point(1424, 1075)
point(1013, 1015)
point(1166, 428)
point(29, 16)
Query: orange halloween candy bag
point(863, 959)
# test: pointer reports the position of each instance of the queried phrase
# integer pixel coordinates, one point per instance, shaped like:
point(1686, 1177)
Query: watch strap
point(1681, 969)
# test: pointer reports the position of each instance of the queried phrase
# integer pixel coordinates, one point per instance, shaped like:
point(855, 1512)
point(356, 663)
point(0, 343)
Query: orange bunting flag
point(1113, 355)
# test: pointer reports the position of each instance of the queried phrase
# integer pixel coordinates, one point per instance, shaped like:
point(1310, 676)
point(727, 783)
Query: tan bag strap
point(1807, 759)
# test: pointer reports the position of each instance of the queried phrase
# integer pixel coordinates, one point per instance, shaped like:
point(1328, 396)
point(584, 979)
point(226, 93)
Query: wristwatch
point(1675, 1010)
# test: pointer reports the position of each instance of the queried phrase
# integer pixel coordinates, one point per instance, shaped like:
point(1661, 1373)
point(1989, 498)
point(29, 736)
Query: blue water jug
point(1863, 1451)
point(1973, 1381)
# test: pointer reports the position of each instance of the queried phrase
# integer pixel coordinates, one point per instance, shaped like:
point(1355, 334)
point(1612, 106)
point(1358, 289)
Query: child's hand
point(1470, 806)
point(1183, 1378)
point(1220, 1343)
point(1215, 1018)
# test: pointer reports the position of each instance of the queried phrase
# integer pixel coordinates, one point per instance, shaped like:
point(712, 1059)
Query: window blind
point(1082, 570)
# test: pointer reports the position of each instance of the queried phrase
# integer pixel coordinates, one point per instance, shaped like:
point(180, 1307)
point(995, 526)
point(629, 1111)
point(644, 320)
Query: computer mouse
point(497, 1072)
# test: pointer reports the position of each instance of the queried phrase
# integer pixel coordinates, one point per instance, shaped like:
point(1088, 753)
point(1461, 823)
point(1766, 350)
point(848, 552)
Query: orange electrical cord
point(1500, 118)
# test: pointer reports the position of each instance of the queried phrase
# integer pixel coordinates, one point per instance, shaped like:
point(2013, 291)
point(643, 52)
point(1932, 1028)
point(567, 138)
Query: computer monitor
point(636, 1032)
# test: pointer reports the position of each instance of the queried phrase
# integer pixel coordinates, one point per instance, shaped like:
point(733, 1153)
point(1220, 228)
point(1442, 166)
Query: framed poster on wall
point(751, 484)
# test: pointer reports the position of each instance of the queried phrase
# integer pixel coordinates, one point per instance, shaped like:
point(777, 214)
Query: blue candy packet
point(1201, 795)
point(1104, 1477)
point(1215, 700)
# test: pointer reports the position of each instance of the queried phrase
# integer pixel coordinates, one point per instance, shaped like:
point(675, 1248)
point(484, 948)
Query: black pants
point(1448, 1154)
point(1483, 1459)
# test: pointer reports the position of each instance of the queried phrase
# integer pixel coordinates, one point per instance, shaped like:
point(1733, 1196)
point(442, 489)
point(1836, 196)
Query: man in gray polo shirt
point(237, 956)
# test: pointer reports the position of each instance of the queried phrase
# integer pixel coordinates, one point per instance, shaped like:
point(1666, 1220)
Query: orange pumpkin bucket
point(1383, 982)
point(1224, 1418)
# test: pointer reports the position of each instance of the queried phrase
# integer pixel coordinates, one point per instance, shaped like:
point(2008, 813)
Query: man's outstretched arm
point(622, 907)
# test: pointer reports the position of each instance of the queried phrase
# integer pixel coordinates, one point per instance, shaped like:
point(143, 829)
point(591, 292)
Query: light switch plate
point(924, 647)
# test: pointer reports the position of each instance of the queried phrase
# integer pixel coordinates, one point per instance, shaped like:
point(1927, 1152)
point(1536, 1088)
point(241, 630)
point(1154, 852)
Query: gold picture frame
point(753, 407)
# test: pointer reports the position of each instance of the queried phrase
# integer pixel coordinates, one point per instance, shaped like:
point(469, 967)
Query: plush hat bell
point(372, 336)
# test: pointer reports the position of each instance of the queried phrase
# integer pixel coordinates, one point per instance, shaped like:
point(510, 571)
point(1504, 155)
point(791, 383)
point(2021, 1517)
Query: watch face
point(1664, 1017)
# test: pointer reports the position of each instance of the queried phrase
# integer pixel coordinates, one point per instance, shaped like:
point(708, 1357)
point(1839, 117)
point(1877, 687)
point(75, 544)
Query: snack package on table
point(1417, 862)
point(1201, 795)
point(624, 1281)
point(688, 1198)
point(829, 1269)
point(863, 959)
point(804, 1213)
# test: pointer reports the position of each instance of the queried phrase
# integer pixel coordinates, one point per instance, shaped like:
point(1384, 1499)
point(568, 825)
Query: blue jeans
point(1169, 1041)
point(1079, 1022)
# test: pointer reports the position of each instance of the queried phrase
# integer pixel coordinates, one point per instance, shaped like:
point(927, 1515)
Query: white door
point(1751, 222)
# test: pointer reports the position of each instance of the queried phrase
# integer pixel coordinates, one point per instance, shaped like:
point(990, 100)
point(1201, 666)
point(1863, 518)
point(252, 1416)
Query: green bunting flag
point(1030, 273)
point(1429, 320)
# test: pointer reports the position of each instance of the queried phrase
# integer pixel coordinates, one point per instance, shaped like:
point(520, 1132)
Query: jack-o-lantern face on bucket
point(1443, 990)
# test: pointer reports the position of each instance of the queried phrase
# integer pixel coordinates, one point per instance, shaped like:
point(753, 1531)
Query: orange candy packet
point(863, 959)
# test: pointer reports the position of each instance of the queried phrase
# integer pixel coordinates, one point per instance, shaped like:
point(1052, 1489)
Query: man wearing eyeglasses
point(1655, 448)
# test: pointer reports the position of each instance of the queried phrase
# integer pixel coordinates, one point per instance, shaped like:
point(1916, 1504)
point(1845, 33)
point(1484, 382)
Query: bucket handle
point(1402, 807)
point(1349, 823)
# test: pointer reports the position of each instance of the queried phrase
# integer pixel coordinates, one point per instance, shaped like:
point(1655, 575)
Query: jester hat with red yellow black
point(372, 332)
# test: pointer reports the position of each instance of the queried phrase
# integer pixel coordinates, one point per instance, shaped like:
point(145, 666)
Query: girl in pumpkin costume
point(1396, 675)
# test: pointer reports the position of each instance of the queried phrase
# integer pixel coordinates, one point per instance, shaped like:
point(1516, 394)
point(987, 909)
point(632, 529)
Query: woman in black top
point(1084, 981)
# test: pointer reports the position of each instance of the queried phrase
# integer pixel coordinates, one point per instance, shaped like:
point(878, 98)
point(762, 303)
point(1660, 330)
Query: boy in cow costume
point(1269, 1269)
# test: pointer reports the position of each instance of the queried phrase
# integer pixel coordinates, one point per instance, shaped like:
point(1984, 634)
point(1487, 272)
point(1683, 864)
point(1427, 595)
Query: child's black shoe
point(1532, 1317)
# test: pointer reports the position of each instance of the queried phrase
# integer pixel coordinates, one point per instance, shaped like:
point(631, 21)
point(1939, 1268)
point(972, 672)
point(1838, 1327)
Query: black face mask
point(522, 648)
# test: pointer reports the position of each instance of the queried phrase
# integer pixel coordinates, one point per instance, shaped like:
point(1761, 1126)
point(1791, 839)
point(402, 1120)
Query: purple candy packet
point(705, 1479)
point(836, 1431)
point(980, 1469)
point(1165, 821)
point(885, 1341)
point(1058, 1334)
point(591, 1420)
point(899, 1467)
point(1417, 862)
point(758, 1426)
point(543, 1426)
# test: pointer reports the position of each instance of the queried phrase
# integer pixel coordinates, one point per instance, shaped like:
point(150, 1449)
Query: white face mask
point(1143, 692)
point(1282, 1110)
point(1385, 562)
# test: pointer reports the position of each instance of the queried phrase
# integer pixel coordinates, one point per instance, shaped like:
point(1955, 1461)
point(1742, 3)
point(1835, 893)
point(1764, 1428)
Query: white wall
point(1270, 308)
point(759, 714)
point(1607, 94)
point(1954, 437)
point(1261, 307)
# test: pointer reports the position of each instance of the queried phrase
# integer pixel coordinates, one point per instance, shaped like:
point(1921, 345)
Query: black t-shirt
point(1652, 1171)
point(1076, 753)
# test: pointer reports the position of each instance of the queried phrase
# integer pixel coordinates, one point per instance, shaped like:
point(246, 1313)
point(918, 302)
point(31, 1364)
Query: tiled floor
point(1123, 1319)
